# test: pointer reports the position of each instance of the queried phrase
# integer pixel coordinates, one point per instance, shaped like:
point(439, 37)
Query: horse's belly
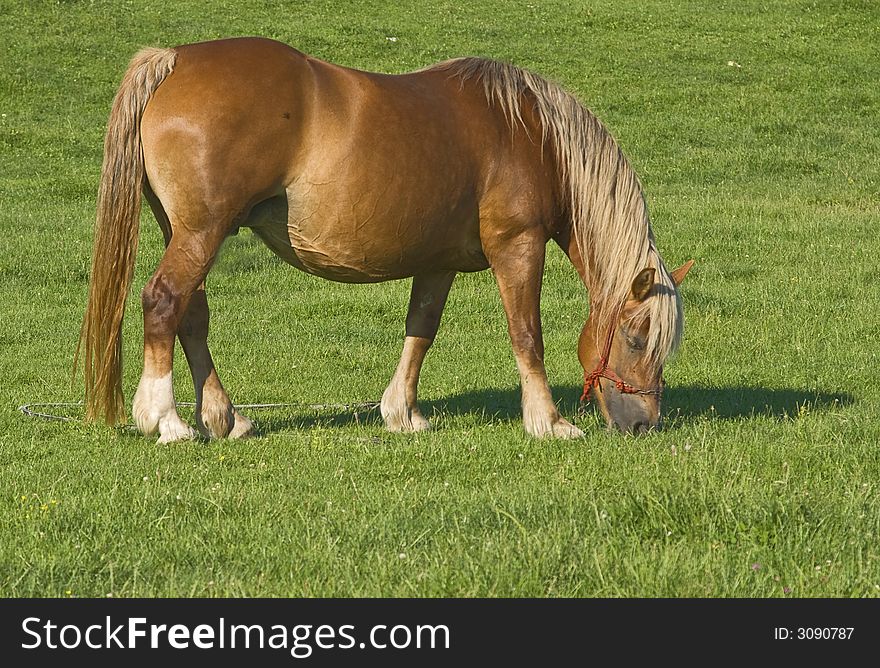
point(367, 249)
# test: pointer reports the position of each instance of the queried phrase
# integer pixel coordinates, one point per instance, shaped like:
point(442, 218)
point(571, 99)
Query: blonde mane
point(607, 205)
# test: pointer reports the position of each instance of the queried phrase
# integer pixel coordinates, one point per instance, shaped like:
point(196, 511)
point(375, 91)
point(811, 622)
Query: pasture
point(753, 127)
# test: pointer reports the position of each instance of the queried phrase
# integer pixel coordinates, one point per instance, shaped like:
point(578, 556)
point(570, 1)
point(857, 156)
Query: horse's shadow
point(679, 402)
point(688, 401)
point(742, 401)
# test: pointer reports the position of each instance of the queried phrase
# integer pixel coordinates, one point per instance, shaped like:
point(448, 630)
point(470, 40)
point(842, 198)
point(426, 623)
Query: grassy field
point(754, 129)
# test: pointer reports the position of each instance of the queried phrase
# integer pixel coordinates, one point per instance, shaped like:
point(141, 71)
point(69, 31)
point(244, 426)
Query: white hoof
point(153, 407)
point(174, 429)
point(398, 416)
point(550, 426)
point(408, 421)
point(562, 428)
point(243, 427)
point(403, 419)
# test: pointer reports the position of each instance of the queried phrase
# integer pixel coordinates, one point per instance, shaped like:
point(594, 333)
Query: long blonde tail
point(116, 236)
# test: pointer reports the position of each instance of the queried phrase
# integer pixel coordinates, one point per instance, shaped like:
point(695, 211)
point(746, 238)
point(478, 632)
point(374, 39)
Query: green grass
point(754, 129)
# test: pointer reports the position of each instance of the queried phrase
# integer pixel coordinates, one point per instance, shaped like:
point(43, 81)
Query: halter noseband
point(591, 379)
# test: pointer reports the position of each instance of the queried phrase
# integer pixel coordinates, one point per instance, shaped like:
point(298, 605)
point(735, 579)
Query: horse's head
point(620, 370)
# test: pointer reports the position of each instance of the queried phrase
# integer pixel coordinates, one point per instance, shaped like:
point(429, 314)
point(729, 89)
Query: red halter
point(591, 379)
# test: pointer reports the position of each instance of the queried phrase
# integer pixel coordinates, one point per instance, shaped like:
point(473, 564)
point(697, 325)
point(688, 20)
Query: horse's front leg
point(399, 405)
point(518, 269)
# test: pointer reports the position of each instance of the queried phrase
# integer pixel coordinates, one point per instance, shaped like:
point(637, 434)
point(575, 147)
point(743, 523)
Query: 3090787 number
point(814, 633)
point(825, 633)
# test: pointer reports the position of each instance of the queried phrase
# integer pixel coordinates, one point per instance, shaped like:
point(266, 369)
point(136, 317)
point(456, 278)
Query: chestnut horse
point(360, 177)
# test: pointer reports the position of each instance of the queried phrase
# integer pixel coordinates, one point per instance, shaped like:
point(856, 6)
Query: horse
point(359, 177)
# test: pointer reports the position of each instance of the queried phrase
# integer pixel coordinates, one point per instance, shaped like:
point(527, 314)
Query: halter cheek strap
point(591, 380)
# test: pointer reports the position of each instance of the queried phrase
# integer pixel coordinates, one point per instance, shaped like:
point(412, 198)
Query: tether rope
point(354, 408)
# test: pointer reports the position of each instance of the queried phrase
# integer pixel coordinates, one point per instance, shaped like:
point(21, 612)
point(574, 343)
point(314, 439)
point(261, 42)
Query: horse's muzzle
point(638, 427)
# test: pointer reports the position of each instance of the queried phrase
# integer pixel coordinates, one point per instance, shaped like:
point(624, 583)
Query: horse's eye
point(634, 341)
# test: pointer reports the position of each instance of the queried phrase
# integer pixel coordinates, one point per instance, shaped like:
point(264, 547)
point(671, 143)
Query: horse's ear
point(679, 274)
point(642, 284)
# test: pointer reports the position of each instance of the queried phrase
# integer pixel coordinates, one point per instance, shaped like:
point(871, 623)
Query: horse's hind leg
point(399, 406)
point(215, 415)
point(166, 298)
point(519, 277)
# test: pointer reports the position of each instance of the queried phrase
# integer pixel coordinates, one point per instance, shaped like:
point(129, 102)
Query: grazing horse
point(360, 177)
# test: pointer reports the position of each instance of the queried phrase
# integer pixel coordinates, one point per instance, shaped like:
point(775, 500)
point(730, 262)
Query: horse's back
point(292, 112)
point(383, 175)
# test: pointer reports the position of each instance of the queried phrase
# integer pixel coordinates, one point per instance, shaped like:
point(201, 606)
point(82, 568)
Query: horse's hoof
point(562, 428)
point(550, 427)
point(215, 420)
point(175, 430)
point(418, 422)
point(243, 427)
point(409, 421)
